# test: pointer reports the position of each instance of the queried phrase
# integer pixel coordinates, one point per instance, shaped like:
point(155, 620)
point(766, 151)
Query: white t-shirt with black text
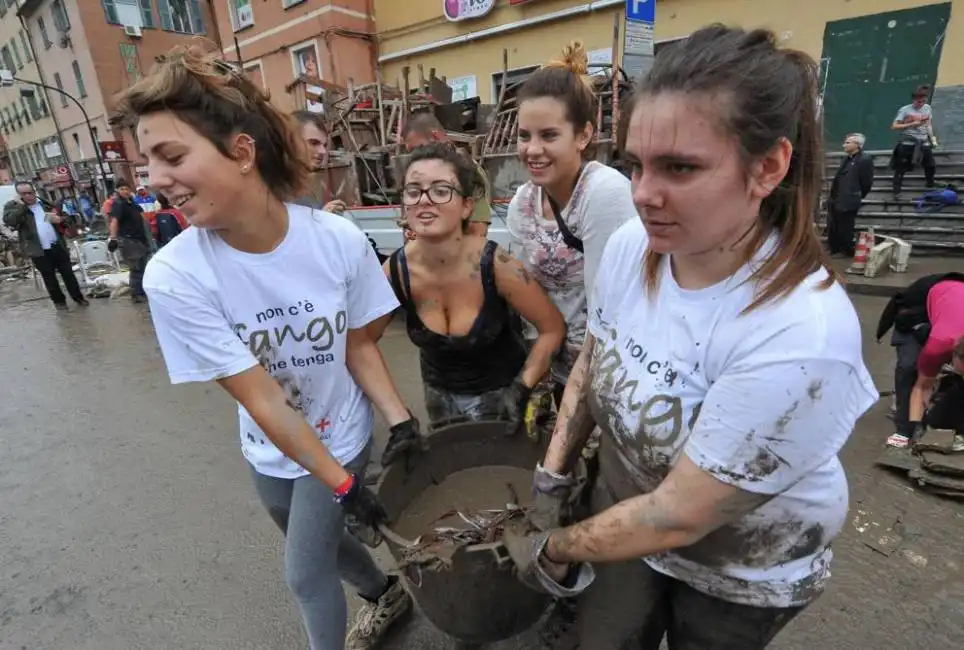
point(762, 401)
point(219, 311)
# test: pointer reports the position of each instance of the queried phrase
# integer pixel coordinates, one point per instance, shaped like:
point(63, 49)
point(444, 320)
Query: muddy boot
point(375, 617)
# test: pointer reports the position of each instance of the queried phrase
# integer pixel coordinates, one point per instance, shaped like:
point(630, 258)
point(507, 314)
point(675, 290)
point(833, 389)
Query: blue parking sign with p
point(643, 11)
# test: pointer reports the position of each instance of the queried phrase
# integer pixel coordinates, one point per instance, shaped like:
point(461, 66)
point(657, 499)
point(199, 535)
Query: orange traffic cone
point(864, 243)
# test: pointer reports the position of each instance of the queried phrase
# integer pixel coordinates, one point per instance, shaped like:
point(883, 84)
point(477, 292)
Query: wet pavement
point(128, 521)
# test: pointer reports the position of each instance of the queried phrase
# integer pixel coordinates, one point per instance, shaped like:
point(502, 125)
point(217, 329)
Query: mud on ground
point(128, 521)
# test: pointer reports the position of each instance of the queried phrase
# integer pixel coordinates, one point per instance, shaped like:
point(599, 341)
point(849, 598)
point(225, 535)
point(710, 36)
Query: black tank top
point(487, 358)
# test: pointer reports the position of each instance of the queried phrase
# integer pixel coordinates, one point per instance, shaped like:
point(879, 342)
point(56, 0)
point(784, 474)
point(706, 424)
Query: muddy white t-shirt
point(762, 401)
point(219, 311)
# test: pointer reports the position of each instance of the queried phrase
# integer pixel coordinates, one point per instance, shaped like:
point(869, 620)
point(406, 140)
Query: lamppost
point(7, 79)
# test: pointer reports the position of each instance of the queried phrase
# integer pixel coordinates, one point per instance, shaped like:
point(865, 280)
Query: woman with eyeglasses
point(459, 293)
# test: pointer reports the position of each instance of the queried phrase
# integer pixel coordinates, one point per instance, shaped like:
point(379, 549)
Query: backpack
point(167, 228)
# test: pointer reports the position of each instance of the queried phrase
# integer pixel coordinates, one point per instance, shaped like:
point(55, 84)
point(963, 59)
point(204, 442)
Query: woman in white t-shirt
point(723, 365)
point(272, 301)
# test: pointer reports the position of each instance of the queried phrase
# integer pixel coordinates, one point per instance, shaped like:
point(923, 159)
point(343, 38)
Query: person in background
point(41, 235)
point(226, 293)
point(108, 204)
point(917, 141)
point(314, 132)
point(423, 128)
point(560, 221)
point(928, 319)
point(87, 208)
point(460, 293)
point(167, 223)
point(723, 365)
point(127, 230)
point(851, 184)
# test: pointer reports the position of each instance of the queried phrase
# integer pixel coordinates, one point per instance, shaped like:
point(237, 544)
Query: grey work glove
point(526, 552)
point(552, 494)
point(515, 399)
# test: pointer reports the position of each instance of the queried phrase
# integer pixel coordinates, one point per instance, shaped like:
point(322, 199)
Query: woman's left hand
point(405, 442)
point(336, 206)
point(539, 573)
point(515, 400)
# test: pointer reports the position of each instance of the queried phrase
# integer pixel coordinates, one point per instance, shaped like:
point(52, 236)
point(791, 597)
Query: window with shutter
point(182, 16)
point(147, 13)
point(110, 12)
point(27, 53)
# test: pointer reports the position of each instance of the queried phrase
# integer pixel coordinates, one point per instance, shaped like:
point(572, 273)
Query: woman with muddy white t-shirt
point(561, 219)
point(272, 301)
point(723, 365)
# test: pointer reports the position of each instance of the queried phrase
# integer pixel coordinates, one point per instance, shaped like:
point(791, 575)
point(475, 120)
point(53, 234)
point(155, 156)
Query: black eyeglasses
point(437, 194)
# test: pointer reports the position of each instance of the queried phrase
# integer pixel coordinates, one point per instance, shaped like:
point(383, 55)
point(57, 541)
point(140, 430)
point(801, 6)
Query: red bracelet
point(345, 486)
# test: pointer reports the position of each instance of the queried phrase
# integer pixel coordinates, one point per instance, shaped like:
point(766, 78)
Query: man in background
point(424, 128)
point(41, 238)
point(852, 183)
point(128, 231)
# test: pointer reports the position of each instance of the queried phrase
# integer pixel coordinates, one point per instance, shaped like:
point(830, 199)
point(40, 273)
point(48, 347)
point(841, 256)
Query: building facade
point(873, 53)
point(279, 42)
point(464, 41)
point(90, 50)
point(26, 120)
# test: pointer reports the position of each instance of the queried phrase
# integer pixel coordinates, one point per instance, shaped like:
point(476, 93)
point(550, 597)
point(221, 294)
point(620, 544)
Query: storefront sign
point(638, 43)
point(456, 10)
point(463, 87)
point(113, 151)
point(600, 57)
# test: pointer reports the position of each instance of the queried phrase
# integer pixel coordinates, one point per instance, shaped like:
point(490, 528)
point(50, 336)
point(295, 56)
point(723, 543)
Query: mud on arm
point(529, 299)
point(688, 505)
point(283, 423)
point(574, 422)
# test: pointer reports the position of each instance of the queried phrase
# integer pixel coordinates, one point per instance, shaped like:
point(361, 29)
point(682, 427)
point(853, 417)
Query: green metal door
point(870, 66)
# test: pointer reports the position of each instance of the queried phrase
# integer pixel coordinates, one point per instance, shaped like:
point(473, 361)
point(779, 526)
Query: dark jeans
point(632, 607)
point(902, 166)
point(947, 409)
point(905, 376)
point(135, 254)
point(840, 231)
point(56, 260)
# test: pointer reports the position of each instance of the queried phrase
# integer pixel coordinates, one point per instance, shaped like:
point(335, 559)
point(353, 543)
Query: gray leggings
point(319, 552)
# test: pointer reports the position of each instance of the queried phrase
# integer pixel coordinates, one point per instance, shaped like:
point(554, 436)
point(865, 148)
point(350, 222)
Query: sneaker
point(899, 441)
point(61, 306)
point(374, 619)
point(559, 630)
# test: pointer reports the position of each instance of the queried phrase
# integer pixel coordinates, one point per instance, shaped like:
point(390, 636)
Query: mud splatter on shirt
point(762, 401)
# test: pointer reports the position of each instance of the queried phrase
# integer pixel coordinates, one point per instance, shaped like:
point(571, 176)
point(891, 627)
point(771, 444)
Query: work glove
point(515, 399)
point(405, 442)
point(112, 245)
point(552, 495)
point(539, 574)
point(363, 512)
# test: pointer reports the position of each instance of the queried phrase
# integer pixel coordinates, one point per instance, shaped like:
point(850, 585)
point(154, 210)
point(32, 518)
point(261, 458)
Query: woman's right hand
point(363, 504)
point(552, 494)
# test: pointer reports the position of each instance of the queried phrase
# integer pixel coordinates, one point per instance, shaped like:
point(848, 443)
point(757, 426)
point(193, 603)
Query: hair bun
point(574, 58)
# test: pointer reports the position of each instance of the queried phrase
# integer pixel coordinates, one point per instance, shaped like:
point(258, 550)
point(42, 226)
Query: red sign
point(113, 151)
point(63, 170)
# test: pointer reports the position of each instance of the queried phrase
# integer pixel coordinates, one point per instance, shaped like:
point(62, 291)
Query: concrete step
point(885, 202)
point(914, 180)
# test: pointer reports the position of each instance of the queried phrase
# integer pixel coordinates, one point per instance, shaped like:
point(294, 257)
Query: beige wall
point(405, 25)
point(38, 130)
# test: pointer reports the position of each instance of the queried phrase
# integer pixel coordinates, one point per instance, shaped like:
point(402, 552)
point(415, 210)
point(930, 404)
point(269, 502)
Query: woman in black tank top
point(462, 297)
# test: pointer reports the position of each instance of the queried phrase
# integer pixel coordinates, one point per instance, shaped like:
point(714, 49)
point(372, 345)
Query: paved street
point(128, 521)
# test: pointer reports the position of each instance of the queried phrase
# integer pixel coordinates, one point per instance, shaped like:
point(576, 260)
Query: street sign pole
point(638, 44)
